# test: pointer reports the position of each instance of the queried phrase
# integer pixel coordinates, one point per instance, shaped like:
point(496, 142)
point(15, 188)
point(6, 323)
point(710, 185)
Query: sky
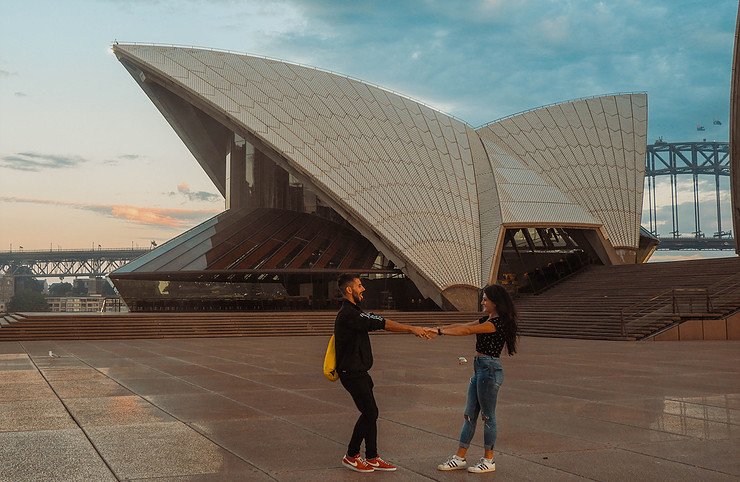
point(87, 160)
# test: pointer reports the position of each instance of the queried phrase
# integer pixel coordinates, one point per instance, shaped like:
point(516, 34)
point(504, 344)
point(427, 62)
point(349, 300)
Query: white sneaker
point(453, 463)
point(485, 465)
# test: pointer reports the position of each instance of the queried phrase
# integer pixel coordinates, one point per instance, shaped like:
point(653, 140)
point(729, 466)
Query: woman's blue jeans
point(487, 378)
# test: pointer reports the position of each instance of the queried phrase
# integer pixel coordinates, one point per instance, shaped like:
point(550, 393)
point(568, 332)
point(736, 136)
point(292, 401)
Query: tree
point(108, 289)
point(28, 300)
point(24, 280)
point(80, 288)
point(60, 289)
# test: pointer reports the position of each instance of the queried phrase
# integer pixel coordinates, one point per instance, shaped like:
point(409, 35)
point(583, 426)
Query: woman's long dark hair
point(506, 313)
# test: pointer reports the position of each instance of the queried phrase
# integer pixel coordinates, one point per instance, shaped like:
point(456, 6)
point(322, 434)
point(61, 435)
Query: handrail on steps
point(671, 299)
point(713, 292)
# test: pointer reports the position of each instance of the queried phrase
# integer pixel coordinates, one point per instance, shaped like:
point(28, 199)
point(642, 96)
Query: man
point(354, 359)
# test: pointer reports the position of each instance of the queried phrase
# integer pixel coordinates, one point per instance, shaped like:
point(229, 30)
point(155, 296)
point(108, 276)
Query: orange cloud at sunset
point(175, 218)
point(150, 216)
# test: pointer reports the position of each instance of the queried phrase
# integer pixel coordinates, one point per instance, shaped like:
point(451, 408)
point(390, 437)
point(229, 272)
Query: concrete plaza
point(260, 409)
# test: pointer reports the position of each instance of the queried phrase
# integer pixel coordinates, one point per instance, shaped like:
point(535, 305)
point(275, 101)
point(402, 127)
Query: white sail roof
point(591, 151)
point(402, 168)
point(432, 189)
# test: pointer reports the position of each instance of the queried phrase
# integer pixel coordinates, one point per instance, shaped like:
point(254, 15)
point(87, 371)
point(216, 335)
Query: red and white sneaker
point(357, 463)
point(379, 464)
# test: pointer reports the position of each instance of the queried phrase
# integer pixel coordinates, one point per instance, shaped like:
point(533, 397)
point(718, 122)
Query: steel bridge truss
point(61, 264)
point(686, 159)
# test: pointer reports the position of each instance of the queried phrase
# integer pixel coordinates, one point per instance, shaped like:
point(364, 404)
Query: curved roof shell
point(427, 189)
point(581, 162)
point(400, 168)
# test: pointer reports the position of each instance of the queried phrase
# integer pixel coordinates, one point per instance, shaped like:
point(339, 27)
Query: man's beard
point(356, 298)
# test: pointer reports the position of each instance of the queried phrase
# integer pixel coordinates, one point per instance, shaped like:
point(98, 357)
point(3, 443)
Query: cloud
point(30, 161)
point(184, 190)
point(685, 191)
point(555, 30)
point(149, 216)
point(122, 157)
point(20, 94)
point(174, 218)
point(4, 74)
point(499, 57)
point(708, 224)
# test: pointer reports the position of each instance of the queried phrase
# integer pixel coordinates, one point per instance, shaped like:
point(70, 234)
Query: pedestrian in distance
point(498, 327)
point(354, 359)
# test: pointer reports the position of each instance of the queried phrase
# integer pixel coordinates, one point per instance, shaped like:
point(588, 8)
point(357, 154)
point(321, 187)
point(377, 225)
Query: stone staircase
point(647, 297)
point(625, 302)
point(109, 326)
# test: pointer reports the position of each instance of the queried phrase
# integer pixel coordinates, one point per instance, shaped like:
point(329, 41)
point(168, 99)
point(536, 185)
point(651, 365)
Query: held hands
point(428, 333)
point(422, 332)
point(431, 332)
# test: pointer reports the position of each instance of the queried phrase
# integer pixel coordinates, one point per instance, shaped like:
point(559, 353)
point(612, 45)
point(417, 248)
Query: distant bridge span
point(687, 159)
point(68, 263)
point(691, 243)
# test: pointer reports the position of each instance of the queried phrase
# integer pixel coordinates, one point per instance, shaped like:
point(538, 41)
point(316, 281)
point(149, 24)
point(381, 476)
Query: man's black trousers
point(360, 386)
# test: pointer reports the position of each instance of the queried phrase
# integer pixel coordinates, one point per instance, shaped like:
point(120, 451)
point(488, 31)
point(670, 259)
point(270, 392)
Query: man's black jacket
point(352, 343)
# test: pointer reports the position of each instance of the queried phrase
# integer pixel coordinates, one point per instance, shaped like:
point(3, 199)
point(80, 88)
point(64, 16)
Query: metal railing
point(728, 290)
point(671, 302)
point(718, 299)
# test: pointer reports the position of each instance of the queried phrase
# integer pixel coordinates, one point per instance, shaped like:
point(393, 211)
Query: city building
point(93, 303)
point(324, 174)
point(7, 288)
point(74, 303)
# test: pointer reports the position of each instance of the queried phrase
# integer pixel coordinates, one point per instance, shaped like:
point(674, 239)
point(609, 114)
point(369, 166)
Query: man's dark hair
point(345, 280)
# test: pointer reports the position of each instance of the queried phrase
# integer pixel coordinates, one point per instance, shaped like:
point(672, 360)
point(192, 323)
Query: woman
point(494, 330)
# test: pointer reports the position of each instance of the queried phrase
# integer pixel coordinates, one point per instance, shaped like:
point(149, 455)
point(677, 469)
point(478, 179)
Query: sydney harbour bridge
point(677, 161)
point(694, 161)
point(69, 263)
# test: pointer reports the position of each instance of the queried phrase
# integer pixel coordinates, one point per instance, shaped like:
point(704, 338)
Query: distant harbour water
point(663, 256)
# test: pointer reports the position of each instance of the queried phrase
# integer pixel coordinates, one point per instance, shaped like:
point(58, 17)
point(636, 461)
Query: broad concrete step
point(586, 305)
point(89, 326)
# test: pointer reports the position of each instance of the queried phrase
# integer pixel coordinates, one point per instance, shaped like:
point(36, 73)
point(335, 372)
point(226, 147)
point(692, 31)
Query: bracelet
point(439, 331)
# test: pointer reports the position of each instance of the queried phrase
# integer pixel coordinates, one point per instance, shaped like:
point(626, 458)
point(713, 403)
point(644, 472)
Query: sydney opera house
point(324, 174)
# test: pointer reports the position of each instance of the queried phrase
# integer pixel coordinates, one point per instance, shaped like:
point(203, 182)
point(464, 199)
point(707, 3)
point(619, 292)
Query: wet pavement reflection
point(250, 408)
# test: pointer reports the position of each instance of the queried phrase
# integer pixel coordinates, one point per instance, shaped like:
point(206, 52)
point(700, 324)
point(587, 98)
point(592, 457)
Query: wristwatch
point(439, 331)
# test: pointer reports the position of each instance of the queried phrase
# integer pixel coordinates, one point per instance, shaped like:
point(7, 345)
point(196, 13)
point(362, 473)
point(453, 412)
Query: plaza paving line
point(237, 408)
